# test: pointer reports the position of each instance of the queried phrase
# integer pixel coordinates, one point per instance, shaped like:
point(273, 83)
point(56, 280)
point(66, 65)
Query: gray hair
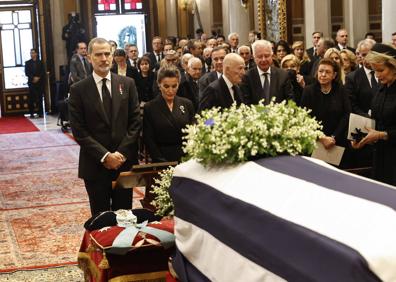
point(96, 40)
point(243, 47)
point(261, 44)
point(193, 60)
point(368, 43)
point(232, 34)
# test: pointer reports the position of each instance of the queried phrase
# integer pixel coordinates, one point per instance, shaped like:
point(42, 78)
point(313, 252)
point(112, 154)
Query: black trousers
point(103, 198)
point(35, 99)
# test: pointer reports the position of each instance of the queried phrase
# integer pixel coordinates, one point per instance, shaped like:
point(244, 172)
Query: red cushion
point(105, 237)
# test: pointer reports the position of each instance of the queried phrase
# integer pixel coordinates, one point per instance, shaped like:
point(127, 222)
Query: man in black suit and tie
point(189, 87)
point(105, 121)
point(157, 55)
point(342, 41)
point(218, 54)
point(246, 54)
point(233, 40)
point(265, 81)
point(361, 84)
point(133, 55)
point(224, 91)
point(35, 72)
point(80, 68)
point(316, 35)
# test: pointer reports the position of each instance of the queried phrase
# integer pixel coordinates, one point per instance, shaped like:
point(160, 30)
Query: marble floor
point(45, 123)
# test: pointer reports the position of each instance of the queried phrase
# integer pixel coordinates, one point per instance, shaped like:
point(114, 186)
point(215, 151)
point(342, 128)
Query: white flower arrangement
point(237, 134)
point(162, 201)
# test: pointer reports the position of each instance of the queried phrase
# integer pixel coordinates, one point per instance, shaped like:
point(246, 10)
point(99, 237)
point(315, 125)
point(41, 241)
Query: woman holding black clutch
point(382, 59)
point(165, 116)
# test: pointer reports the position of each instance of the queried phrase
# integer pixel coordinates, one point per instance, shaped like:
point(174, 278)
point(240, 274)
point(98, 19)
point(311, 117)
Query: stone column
point(356, 11)
point(206, 15)
point(317, 14)
point(58, 21)
point(171, 17)
point(388, 20)
point(236, 19)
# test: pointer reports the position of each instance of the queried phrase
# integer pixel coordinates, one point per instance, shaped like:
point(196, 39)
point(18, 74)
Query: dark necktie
point(85, 65)
point(106, 98)
point(237, 94)
point(266, 88)
point(374, 83)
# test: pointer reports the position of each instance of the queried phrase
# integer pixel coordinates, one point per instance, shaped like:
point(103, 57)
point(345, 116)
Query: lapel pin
point(182, 109)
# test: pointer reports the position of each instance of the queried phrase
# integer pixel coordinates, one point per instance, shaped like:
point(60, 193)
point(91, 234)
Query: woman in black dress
point(382, 59)
point(145, 79)
point(165, 116)
point(330, 105)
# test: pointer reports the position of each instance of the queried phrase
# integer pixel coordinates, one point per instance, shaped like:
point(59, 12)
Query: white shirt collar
point(228, 82)
point(341, 47)
point(261, 72)
point(98, 78)
point(367, 71)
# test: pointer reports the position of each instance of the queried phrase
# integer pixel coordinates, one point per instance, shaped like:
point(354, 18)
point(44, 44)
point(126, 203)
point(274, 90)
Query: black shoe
point(31, 116)
point(40, 116)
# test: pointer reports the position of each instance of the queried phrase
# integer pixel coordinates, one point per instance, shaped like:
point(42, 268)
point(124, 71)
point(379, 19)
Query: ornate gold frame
point(272, 29)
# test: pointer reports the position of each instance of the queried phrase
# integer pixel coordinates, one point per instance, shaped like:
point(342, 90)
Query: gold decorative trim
point(265, 13)
point(155, 276)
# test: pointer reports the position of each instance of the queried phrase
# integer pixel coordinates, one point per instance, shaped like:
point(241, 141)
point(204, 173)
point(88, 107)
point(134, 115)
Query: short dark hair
point(119, 53)
point(33, 50)
point(321, 33)
point(393, 34)
point(369, 34)
point(333, 64)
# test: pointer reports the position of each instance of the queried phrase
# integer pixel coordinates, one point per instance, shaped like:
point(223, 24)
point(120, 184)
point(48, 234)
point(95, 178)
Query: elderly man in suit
point(105, 121)
point(189, 86)
point(80, 68)
point(224, 91)
point(361, 84)
point(265, 81)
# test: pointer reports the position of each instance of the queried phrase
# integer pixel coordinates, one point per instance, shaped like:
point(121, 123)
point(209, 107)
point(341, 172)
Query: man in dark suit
point(246, 54)
point(361, 84)
point(224, 91)
point(189, 87)
point(105, 121)
point(157, 55)
point(35, 72)
point(265, 81)
point(316, 35)
point(218, 54)
point(80, 68)
point(342, 41)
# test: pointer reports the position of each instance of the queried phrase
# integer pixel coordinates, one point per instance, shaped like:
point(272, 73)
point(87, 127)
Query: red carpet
point(43, 204)
point(16, 125)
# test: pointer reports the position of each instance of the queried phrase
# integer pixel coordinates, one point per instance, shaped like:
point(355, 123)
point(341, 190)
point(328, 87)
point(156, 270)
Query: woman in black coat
point(330, 105)
point(145, 79)
point(382, 59)
point(120, 65)
point(165, 116)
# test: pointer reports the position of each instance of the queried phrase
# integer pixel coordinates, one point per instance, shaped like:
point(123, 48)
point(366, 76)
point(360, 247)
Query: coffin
point(282, 219)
